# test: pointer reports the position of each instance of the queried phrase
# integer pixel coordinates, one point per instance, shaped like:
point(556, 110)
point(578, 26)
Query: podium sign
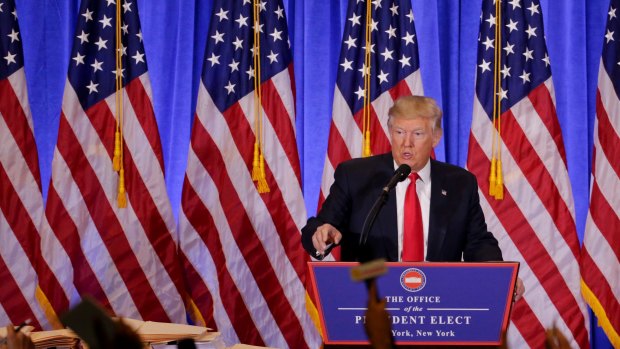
point(428, 303)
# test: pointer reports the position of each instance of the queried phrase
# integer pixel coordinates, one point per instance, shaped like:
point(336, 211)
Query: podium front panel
point(428, 303)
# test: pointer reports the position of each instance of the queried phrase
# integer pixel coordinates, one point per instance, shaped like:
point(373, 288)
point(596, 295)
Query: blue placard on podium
point(428, 303)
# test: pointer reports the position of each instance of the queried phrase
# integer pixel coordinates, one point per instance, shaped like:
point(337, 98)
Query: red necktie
point(413, 235)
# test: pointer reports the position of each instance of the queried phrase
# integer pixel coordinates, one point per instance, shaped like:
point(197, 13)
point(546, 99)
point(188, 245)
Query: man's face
point(413, 141)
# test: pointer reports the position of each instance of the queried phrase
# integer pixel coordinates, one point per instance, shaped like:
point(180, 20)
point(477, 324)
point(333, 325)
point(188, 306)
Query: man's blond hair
point(413, 107)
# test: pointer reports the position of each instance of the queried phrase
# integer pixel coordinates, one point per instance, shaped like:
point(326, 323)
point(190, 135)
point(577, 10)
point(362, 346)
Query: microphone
point(399, 175)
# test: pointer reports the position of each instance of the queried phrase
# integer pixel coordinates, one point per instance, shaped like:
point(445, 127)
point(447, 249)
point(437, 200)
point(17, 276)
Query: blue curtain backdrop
point(175, 35)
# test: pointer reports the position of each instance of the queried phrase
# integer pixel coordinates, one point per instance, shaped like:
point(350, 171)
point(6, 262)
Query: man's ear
point(437, 133)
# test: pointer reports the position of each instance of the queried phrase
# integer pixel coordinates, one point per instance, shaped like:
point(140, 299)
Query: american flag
point(123, 257)
point(242, 249)
point(394, 72)
point(600, 254)
point(21, 202)
point(535, 220)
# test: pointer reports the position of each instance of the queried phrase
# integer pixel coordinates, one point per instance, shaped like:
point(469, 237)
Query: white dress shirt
point(423, 189)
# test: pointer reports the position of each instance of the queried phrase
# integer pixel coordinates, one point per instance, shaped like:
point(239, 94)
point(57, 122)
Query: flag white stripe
point(414, 82)
point(609, 99)
point(22, 180)
point(381, 105)
point(101, 164)
point(202, 261)
point(605, 176)
point(98, 258)
point(543, 143)
point(19, 267)
point(18, 83)
point(536, 296)
point(536, 213)
point(146, 162)
point(57, 258)
point(282, 82)
point(328, 177)
point(3, 315)
point(274, 155)
point(260, 217)
point(598, 247)
point(344, 122)
point(200, 179)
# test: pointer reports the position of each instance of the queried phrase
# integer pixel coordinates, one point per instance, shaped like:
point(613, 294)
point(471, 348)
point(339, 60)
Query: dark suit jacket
point(457, 229)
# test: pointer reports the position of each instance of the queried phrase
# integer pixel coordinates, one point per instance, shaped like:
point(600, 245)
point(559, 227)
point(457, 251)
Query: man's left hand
point(519, 290)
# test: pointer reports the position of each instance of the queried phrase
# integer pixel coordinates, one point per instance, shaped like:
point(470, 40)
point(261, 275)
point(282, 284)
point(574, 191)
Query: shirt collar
point(424, 173)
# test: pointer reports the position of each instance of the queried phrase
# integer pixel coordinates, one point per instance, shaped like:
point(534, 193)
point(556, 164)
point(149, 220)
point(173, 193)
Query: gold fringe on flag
point(117, 161)
point(366, 150)
point(496, 182)
point(47, 308)
point(601, 314)
point(258, 162)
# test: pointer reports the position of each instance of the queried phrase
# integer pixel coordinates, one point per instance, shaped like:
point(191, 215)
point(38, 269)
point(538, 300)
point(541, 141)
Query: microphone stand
point(370, 220)
point(381, 339)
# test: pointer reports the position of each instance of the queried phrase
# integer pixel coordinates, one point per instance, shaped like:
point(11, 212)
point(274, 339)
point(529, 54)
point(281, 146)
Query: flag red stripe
point(281, 122)
point(540, 179)
point(12, 299)
point(66, 232)
point(525, 320)
point(530, 247)
point(337, 150)
point(291, 75)
point(151, 220)
point(202, 222)
point(111, 230)
point(541, 100)
point(400, 89)
point(605, 218)
point(104, 124)
point(199, 292)
point(274, 202)
point(610, 142)
point(600, 287)
point(242, 229)
point(522, 316)
point(378, 139)
point(145, 115)
point(25, 231)
point(17, 217)
point(17, 122)
point(154, 226)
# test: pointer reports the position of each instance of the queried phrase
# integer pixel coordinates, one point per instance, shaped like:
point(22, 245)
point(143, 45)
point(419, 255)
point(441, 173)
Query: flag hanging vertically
point(111, 226)
point(364, 94)
point(242, 205)
point(600, 254)
point(21, 202)
point(517, 153)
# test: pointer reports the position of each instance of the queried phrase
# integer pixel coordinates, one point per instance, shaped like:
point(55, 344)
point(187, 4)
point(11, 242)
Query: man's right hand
point(323, 236)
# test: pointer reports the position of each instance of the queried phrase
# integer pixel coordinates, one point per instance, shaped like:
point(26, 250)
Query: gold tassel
point(263, 187)
point(256, 163)
point(116, 161)
point(121, 198)
point(366, 152)
point(493, 178)
point(499, 189)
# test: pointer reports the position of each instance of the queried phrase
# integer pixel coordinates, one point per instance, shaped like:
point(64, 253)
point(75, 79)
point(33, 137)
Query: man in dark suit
point(453, 224)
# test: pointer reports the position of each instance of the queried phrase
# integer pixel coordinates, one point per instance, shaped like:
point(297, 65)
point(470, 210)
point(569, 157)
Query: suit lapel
point(437, 226)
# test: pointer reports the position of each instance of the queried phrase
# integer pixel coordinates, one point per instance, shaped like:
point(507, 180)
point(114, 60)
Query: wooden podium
point(429, 304)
